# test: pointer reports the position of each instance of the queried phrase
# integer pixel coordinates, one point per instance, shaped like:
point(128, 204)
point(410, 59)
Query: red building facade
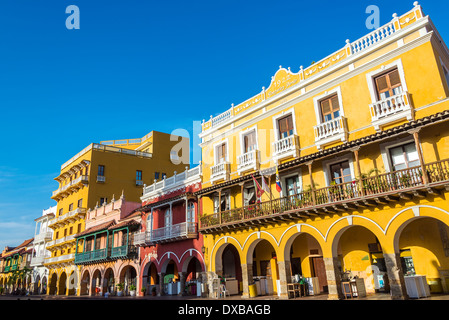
point(171, 256)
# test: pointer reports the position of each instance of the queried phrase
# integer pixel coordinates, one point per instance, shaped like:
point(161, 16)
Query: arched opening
point(171, 278)
point(109, 281)
point(265, 271)
point(228, 266)
point(53, 284)
point(37, 285)
point(96, 284)
point(128, 277)
point(305, 257)
point(150, 279)
point(85, 283)
point(62, 289)
point(361, 259)
point(423, 247)
point(43, 286)
point(193, 269)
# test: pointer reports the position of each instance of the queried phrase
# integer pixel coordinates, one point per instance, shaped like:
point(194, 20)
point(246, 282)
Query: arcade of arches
point(379, 246)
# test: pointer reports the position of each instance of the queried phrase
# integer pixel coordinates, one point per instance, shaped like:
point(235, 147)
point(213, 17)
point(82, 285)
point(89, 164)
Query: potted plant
point(153, 291)
point(119, 289)
point(143, 290)
point(132, 290)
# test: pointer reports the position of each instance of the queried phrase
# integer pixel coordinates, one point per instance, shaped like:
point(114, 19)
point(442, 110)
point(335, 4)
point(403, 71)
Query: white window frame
point(242, 134)
point(317, 103)
point(328, 163)
point(216, 145)
point(385, 151)
point(281, 115)
point(373, 74)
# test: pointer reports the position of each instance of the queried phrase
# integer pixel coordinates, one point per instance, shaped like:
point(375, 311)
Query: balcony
point(391, 110)
point(286, 148)
point(59, 259)
point(220, 172)
point(248, 161)
point(70, 187)
point(69, 217)
point(101, 179)
point(92, 256)
point(43, 236)
point(142, 238)
point(123, 252)
point(331, 131)
point(384, 189)
point(176, 232)
point(39, 260)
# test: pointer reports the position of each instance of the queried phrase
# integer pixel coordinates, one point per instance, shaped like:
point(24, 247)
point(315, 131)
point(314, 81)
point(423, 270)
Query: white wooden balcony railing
point(220, 171)
point(391, 110)
point(285, 148)
point(248, 161)
point(142, 238)
point(43, 236)
point(174, 181)
point(83, 179)
point(64, 257)
point(331, 131)
point(72, 216)
point(180, 231)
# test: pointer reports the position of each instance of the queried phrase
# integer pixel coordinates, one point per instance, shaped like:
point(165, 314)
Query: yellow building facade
point(360, 142)
point(96, 176)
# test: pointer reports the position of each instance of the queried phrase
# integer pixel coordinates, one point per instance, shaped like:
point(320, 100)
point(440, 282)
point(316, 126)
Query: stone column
point(161, 284)
point(284, 277)
point(333, 274)
point(182, 279)
point(395, 276)
point(247, 278)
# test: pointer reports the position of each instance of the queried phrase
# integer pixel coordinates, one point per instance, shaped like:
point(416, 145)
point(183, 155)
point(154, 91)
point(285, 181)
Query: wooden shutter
point(387, 82)
point(285, 124)
point(329, 106)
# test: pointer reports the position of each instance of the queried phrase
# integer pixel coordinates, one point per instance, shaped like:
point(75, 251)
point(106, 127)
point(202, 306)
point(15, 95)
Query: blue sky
point(141, 65)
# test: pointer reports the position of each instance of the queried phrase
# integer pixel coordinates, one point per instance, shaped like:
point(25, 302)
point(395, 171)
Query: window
point(60, 212)
point(285, 126)
point(388, 84)
point(71, 207)
point(221, 153)
point(57, 235)
point(190, 212)
point(404, 156)
point(103, 200)
point(250, 196)
point(164, 175)
point(249, 142)
point(138, 175)
point(340, 173)
point(65, 232)
point(80, 203)
point(156, 175)
point(330, 108)
point(78, 228)
point(101, 170)
point(71, 230)
point(168, 218)
point(293, 186)
point(225, 202)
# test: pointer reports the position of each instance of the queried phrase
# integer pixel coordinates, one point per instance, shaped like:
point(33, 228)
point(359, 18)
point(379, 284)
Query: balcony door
point(340, 172)
point(330, 108)
point(167, 222)
point(293, 185)
point(404, 157)
point(249, 142)
point(221, 153)
point(285, 127)
point(388, 84)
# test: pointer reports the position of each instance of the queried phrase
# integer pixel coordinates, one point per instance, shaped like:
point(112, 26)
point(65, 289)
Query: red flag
point(258, 188)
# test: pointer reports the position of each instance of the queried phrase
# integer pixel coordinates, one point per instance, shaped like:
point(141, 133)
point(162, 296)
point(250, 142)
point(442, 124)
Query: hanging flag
point(278, 181)
point(265, 186)
point(257, 188)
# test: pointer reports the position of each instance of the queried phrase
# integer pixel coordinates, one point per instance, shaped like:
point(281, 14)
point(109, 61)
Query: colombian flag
point(278, 181)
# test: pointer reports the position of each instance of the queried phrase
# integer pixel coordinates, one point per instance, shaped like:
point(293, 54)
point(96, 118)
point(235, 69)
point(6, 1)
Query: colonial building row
point(332, 180)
